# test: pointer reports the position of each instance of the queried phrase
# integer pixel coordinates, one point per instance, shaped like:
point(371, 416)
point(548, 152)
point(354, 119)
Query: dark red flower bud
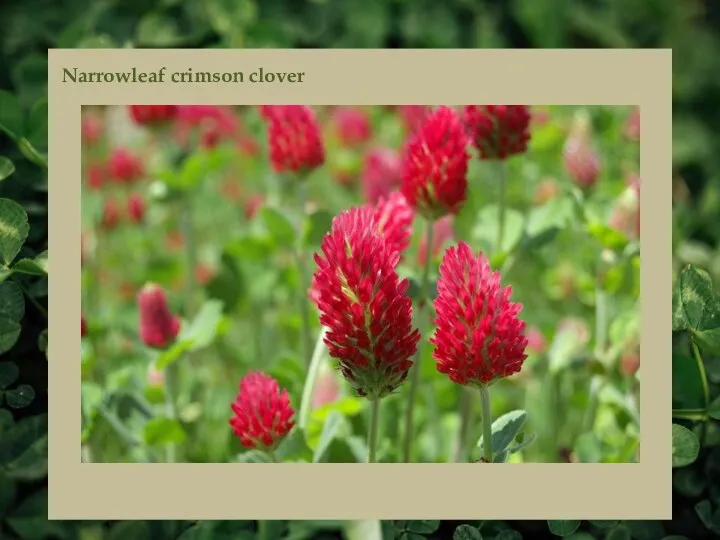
point(153, 115)
point(110, 215)
point(95, 176)
point(125, 167)
point(262, 414)
point(498, 131)
point(92, 129)
point(158, 326)
point(83, 327)
point(136, 208)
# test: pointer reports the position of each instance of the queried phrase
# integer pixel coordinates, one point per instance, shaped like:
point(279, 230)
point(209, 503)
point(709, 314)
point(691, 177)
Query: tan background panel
point(366, 491)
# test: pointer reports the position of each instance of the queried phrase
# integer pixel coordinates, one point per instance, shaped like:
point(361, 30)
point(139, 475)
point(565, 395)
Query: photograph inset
point(396, 284)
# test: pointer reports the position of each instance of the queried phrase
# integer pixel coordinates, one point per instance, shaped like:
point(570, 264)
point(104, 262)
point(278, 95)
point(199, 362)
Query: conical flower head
point(110, 214)
point(212, 123)
point(96, 176)
point(625, 216)
point(381, 173)
point(413, 116)
point(479, 337)
point(136, 207)
point(581, 158)
point(124, 166)
point(262, 414)
point(435, 164)
point(394, 218)
point(92, 129)
point(158, 326)
point(294, 138)
point(153, 115)
point(363, 305)
point(351, 125)
point(498, 131)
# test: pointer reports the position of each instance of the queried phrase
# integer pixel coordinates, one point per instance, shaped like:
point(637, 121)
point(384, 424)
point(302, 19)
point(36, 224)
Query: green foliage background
point(28, 28)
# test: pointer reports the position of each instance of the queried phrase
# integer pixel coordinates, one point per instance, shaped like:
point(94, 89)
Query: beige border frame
point(361, 491)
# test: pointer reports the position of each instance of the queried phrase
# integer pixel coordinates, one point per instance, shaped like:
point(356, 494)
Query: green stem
point(422, 313)
point(263, 530)
point(591, 412)
point(142, 405)
point(170, 406)
point(465, 421)
point(257, 316)
point(705, 386)
point(693, 415)
point(124, 433)
point(188, 232)
point(172, 375)
point(94, 294)
point(34, 302)
point(486, 424)
point(703, 373)
point(601, 313)
point(502, 203)
point(304, 277)
point(555, 410)
point(373, 429)
point(310, 379)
